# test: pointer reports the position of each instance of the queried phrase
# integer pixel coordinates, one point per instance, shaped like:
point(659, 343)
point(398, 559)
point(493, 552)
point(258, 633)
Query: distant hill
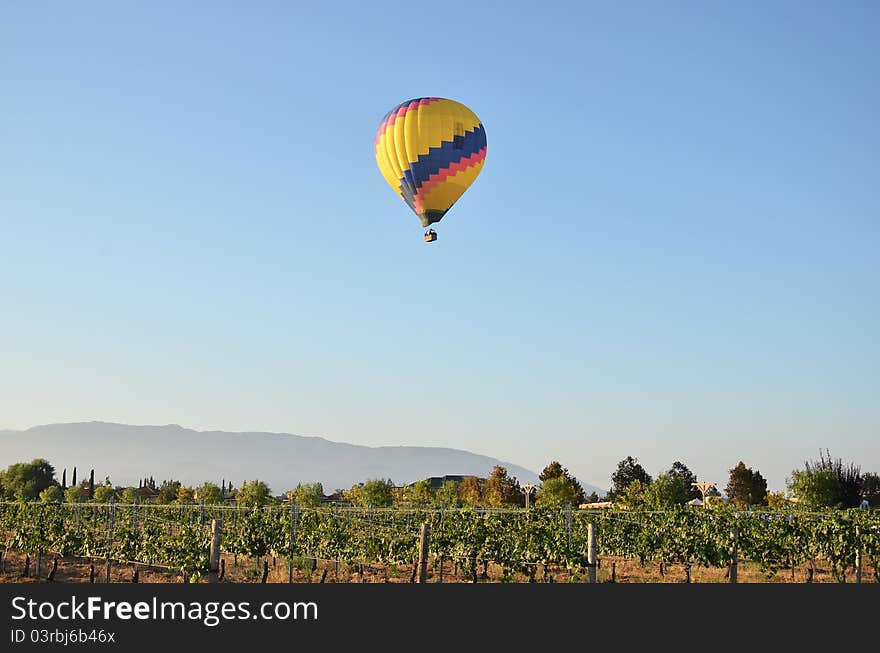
point(128, 453)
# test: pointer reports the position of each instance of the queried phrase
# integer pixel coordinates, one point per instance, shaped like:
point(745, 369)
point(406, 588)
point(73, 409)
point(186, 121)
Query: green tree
point(628, 471)
point(746, 487)
point(309, 495)
point(26, 480)
point(52, 494)
point(815, 488)
point(667, 490)
point(419, 493)
point(871, 489)
point(209, 493)
point(848, 476)
point(687, 477)
point(253, 493)
point(104, 493)
point(470, 491)
point(186, 495)
point(130, 495)
point(447, 495)
point(75, 494)
point(501, 489)
point(556, 470)
point(168, 492)
point(375, 492)
point(633, 497)
point(557, 491)
point(553, 470)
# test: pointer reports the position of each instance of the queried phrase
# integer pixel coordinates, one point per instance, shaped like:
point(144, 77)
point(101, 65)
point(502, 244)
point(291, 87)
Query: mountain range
point(128, 453)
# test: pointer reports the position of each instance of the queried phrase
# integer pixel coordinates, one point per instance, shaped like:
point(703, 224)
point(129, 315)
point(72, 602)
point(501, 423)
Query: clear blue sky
point(673, 251)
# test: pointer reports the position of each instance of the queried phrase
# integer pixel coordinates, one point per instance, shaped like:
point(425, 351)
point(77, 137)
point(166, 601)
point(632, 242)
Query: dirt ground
point(246, 570)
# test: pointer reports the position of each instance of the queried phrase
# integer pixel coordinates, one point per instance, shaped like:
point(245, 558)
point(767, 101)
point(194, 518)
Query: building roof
point(435, 482)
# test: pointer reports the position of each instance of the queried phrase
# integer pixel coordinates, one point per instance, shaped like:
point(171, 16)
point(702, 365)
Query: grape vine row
point(518, 541)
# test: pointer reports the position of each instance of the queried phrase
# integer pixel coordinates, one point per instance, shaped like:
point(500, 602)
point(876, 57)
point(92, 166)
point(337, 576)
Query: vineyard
point(520, 544)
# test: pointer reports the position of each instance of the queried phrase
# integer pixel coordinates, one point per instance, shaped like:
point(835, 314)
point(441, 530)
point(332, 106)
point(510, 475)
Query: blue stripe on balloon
point(442, 157)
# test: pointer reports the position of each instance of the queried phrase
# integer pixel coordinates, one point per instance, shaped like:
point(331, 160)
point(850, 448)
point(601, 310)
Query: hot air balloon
point(430, 150)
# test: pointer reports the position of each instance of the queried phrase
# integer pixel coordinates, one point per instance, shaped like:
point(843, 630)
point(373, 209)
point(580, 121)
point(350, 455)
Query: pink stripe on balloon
point(441, 175)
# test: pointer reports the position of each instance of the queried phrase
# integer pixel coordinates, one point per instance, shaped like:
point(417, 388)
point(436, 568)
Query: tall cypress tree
point(64, 479)
point(92, 484)
point(73, 482)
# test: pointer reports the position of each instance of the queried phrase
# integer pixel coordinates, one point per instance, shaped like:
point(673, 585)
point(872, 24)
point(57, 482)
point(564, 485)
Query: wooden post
point(734, 560)
point(216, 537)
point(613, 572)
point(441, 568)
point(111, 509)
point(293, 525)
point(591, 553)
point(40, 550)
point(858, 562)
point(424, 544)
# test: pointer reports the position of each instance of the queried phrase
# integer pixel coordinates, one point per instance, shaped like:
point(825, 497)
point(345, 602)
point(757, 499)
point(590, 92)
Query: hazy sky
point(673, 251)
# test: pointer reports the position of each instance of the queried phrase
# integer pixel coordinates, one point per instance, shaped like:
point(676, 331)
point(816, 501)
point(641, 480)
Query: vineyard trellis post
point(111, 517)
point(216, 540)
point(424, 544)
point(440, 557)
point(293, 525)
point(734, 561)
point(591, 552)
point(568, 522)
point(858, 560)
point(40, 546)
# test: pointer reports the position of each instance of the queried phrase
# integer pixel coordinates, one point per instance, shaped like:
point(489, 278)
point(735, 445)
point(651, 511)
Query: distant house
point(436, 482)
point(336, 497)
point(148, 492)
point(597, 504)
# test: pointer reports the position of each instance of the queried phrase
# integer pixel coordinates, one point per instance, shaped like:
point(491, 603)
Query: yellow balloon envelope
point(430, 150)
